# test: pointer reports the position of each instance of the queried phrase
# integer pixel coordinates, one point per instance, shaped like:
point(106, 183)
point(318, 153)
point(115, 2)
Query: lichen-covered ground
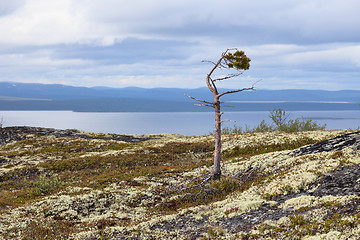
point(73, 185)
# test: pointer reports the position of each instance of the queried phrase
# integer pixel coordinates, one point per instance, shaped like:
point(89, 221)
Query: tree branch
point(202, 101)
point(226, 120)
point(240, 90)
point(210, 82)
point(204, 105)
point(235, 91)
point(208, 61)
point(216, 92)
point(197, 185)
point(228, 76)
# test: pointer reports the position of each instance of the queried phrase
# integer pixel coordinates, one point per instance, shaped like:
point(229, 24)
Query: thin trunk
point(217, 151)
point(226, 61)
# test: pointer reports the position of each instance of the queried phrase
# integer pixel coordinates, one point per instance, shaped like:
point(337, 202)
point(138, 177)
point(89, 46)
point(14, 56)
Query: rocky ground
point(66, 184)
point(10, 134)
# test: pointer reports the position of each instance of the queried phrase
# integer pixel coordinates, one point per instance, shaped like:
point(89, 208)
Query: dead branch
point(241, 177)
point(240, 90)
point(208, 61)
point(227, 77)
point(244, 175)
point(203, 105)
point(189, 194)
point(227, 120)
point(203, 101)
point(197, 185)
point(213, 85)
point(235, 91)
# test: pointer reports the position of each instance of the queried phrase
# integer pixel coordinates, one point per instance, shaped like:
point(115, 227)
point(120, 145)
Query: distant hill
point(26, 96)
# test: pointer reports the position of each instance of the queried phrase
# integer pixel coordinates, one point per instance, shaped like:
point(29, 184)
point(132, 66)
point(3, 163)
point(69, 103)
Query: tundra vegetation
point(88, 186)
point(281, 122)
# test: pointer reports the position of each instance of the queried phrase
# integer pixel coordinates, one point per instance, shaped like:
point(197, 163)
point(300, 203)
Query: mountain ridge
point(34, 96)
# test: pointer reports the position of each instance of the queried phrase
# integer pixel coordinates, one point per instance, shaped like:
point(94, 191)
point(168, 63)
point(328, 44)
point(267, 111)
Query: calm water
point(188, 123)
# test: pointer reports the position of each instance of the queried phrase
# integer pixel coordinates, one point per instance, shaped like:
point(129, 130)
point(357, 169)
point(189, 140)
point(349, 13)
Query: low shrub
point(280, 122)
point(260, 148)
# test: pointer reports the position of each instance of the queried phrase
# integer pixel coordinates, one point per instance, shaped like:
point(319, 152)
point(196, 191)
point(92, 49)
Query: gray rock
point(10, 134)
point(334, 144)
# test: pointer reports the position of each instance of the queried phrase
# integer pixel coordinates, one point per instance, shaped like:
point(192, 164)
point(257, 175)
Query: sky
point(292, 44)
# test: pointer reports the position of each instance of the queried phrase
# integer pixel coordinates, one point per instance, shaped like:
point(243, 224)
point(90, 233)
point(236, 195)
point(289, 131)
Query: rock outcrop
point(334, 144)
point(9, 134)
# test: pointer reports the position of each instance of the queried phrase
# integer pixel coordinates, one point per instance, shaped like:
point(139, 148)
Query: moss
point(65, 147)
point(215, 232)
point(301, 225)
point(98, 171)
point(195, 193)
point(19, 191)
point(183, 147)
point(261, 148)
point(66, 173)
point(47, 185)
point(286, 190)
point(48, 229)
point(337, 154)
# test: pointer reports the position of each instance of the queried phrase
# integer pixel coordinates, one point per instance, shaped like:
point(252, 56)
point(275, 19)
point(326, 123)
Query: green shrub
point(280, 122)
point(46, 185)
point(280, 119)
point(263, 127)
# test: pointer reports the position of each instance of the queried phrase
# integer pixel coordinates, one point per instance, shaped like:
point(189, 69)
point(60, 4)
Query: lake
point(187, 123)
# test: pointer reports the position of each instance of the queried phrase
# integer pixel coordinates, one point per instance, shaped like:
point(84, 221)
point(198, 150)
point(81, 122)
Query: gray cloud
point(160, 43)
point(8, 7)
point(259, 22)
point(128, 51)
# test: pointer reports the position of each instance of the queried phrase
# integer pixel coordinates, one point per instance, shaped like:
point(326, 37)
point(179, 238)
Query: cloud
point(334, 58)
point(258, 21)
point(40, 22)
point(161, 43)
point(128, 51)
point(322, 57)
point(8, 7)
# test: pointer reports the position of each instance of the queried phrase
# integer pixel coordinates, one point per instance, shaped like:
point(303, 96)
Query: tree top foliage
point(237, 60)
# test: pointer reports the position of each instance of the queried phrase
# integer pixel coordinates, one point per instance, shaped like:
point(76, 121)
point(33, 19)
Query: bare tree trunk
point(217, 151)
point(238, 61)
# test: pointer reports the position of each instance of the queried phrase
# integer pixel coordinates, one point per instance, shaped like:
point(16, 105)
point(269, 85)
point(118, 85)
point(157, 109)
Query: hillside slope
point(66, 184)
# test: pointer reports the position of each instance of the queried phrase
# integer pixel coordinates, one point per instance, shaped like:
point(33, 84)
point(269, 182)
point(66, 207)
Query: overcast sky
point(306, 44)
